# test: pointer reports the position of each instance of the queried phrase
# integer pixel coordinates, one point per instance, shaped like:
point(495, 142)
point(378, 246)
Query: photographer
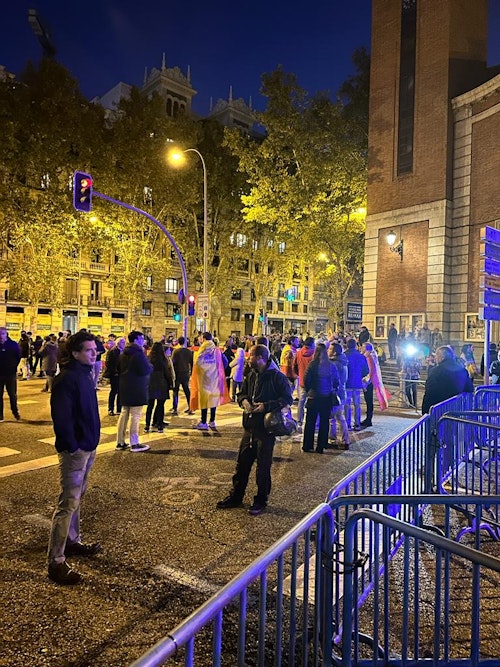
point(411, 368)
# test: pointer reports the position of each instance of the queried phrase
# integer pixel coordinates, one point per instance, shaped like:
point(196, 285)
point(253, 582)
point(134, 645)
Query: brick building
point(434, 161)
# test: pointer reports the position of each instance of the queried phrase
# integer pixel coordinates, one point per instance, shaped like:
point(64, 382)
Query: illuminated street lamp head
point(176, 157)
point(391, 237)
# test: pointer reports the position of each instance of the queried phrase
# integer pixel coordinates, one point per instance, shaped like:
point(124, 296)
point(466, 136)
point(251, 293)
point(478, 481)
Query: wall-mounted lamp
point(391, 238)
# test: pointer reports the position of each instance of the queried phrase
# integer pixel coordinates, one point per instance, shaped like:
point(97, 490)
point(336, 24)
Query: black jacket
point(74, 409)
point(111, 363)
point(10, 356)
point(161, 380)
point(318, 384)
point(135, 370)
point(445, 380)
point(182, 359)
point(270, 387)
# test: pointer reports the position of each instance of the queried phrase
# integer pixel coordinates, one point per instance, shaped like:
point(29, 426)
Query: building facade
point(434, 159)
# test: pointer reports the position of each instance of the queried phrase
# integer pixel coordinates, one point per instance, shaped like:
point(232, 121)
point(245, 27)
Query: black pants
point(114, 382)
point(9, 382)
point(159, 412)
point(368, 392)
point(254, 447)
point(181, 381)
point(411, 391)
point(322, 406)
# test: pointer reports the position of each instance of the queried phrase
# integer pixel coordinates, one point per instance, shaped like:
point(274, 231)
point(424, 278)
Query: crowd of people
point(329, 378)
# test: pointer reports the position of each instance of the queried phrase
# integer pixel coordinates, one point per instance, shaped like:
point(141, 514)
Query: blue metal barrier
point(301, 625)
point(408, 624)
point(283, 629)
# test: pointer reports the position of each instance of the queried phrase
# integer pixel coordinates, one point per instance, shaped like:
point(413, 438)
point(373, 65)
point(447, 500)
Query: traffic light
point(177, 314)
point(82, 191)
point(191, 304)
point(261, 314)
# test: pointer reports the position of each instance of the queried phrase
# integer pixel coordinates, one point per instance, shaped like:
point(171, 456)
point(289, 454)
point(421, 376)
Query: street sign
point(490, 234)
point(203, 307)
point(354, 312)
point(489, 282)
point(490, 250)
point(488, 313)
point(489, 298)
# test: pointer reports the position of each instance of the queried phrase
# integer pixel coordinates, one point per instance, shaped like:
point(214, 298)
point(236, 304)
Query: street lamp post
point(175, 156)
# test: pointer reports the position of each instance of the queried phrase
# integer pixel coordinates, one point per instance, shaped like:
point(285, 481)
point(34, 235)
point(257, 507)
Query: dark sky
point(226, 43)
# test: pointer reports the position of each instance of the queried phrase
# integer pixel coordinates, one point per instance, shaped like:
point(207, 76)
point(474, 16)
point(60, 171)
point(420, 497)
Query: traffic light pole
point(169, 237)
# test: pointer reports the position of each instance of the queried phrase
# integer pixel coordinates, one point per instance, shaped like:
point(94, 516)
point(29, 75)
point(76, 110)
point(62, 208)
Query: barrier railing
point(424, 608)
point(297, 622)
point(260, 613)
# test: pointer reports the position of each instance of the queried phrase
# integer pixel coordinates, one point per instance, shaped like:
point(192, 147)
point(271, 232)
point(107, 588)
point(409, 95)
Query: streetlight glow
point(177, 158)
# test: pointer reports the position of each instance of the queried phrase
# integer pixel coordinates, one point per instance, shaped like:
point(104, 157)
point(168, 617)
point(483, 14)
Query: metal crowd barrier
point(286, 607)
point(431, 604)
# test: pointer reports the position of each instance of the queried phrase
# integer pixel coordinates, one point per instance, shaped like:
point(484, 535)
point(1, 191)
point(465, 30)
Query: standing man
point(357, 369)
point(133, 384)
point(303, 358)
point(264, 389)
point(448, 378)
point(182, 360)
point(77, 427)
point(10, 356)
point(392, 338)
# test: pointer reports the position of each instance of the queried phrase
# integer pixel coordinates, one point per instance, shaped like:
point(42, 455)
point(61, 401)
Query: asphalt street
point(166, 548)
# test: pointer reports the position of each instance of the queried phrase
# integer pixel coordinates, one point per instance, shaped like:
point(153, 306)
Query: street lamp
point(391, 240)
point(176, 158)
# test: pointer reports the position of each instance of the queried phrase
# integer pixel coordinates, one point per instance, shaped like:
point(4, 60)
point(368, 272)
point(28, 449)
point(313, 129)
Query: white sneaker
point(212, 425)
point(201, 426)
point(139, 448)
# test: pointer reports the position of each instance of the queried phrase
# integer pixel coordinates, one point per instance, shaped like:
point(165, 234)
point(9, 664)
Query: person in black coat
point(77, 428)
point(321, 382)
point(135, 370)
point(10, 356)
point(161, 381)
point(112, 373)
point(265, 388)
point(448, 378)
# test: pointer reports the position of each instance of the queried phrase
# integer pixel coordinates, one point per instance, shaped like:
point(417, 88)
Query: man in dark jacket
point(77, 427)
point(357, 369)
point(10, 356)
point(135, 370)
point(182, 360)
point(448, 378)
point(264, 389)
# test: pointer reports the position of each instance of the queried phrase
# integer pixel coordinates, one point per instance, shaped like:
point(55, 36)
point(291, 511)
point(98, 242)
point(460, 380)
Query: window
point(306, 293)
point(149, 283)
point(171, 285)
point(170, 309)
point(236, 294)
point(304, 308)
point(45, 182)
point(146, 308)
point(281, 306)
point(95, 290)
point(253, 297)
point(147, 196)
point(95, 256)
point(406, 111)
point(243, 265)
point(269, 306)
point(281, 290)
point(255, 245)
point(240, 239)
point(295, 307)
point(235, 315)
point(281, 247)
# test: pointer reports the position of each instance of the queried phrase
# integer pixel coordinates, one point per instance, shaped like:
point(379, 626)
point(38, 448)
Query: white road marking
point(7, 451)
point(185, 579)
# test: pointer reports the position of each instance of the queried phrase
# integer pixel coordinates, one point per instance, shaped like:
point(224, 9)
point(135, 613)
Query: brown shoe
point(63, 574)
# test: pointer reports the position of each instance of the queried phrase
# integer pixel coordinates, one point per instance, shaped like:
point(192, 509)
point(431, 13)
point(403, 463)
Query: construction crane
point(42, 34)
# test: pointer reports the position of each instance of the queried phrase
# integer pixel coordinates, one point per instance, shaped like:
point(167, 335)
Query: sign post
point(489, 288)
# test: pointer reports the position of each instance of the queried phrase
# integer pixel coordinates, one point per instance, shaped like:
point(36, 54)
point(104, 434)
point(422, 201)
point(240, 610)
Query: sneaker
point(62, 573)
point(189, 412)
point(366, 423)
point(2, 420)
point(139, 448)
point(80, 549)
point(160, 430)
point(202, 426)
point(146, 429)
point(111, 413)
point(256, 509)
point(17, 416)
point(122, 446)
point(174, 413)
point(228, 503)
point(213, 425)
point(357, 427)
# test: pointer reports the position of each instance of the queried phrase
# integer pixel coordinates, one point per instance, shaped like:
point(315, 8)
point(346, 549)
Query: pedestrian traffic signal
point(82, 191)
point(177, 314)
point(261, 314)
point(191, 304)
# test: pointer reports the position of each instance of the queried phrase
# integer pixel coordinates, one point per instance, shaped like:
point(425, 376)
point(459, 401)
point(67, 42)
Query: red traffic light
point(191, 298)
point(191, 304)
point(82, 191)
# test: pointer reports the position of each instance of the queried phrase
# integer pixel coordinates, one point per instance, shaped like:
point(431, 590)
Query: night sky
point(225, 43)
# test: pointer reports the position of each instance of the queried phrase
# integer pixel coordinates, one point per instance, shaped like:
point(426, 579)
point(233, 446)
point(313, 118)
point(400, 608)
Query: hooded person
point(208, 382)
point(337, 415)
point(374, 383)
point(302, 360)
